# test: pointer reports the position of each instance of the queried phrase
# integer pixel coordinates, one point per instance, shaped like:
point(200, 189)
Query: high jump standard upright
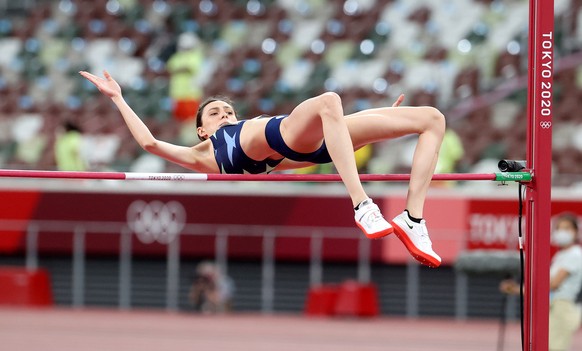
point(539, 161)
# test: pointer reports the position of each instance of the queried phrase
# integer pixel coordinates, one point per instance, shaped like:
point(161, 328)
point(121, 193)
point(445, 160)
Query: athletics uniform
point(231, 158)
point(276, 142)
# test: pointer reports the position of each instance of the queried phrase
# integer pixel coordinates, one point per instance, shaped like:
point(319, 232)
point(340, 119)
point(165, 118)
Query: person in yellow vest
point(451, 152)
point(184, 67)
point(68, 154)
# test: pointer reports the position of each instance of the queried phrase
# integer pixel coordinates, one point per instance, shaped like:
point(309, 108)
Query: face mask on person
point(562, 238)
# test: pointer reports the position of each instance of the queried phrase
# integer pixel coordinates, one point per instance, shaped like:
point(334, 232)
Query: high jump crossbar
point(498, 176)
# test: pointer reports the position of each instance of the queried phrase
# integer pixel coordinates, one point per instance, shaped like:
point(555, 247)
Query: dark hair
point(70, 126)
point(569, 217)
point(205, 103)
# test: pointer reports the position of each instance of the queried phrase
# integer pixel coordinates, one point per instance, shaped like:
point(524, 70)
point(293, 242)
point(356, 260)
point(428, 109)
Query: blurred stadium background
point(466, 57)
point(268, 55)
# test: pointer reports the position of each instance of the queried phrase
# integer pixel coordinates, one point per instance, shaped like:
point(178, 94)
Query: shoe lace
point(374, 216)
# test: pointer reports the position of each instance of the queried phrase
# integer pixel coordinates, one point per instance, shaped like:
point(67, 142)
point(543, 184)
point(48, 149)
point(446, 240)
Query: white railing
point(222, 233)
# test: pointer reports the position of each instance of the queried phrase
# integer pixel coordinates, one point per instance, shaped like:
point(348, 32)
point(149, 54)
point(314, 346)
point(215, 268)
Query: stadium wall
point(458, 220)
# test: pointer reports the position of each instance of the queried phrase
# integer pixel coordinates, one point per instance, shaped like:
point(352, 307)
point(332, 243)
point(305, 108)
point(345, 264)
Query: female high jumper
point(316, 131)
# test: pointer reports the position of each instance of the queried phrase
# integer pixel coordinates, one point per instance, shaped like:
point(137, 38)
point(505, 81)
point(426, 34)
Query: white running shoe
point(370, 220)
point(415, 237)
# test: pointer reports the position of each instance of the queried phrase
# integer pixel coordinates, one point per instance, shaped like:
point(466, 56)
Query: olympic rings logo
point(545, 124)
point(156, 221)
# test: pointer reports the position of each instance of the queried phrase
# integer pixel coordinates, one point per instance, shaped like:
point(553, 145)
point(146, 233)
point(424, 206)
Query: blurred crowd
point(267, 55)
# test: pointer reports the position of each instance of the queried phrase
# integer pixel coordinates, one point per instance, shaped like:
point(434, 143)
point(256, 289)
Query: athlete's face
point(215, 115)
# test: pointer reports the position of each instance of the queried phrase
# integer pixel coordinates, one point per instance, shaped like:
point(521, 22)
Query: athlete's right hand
point(107, 85)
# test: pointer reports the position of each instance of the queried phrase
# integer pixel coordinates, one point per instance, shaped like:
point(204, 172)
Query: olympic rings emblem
point(156, 221)
point(545, 124)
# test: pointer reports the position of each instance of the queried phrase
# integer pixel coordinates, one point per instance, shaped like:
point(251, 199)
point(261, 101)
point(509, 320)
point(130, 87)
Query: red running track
point(92, 330)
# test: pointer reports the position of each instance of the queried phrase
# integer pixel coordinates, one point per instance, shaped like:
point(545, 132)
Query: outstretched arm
point(109, 87)
point(189, 157)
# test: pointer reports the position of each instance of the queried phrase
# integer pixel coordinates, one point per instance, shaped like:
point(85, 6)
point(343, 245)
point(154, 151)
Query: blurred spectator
point(212, 290)
point(451, 152)
point(29, 138)
point(184, 67)
point(68, 145)
point(565, 283)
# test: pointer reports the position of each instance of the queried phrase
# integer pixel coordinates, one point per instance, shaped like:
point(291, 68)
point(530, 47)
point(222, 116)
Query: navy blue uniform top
point(231, 158)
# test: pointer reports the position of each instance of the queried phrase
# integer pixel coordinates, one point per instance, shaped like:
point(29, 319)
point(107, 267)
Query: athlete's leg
point(384, 123)
point(322, 118)
point(318, 118)
point(380, 124)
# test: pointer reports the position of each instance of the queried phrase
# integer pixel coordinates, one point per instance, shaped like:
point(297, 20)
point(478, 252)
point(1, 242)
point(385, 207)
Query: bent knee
point(330, 102)
point(330, 97)
point(435, 120)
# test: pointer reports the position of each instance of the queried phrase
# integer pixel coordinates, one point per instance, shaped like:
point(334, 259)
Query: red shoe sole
point(377, 235)
point(420, 256)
